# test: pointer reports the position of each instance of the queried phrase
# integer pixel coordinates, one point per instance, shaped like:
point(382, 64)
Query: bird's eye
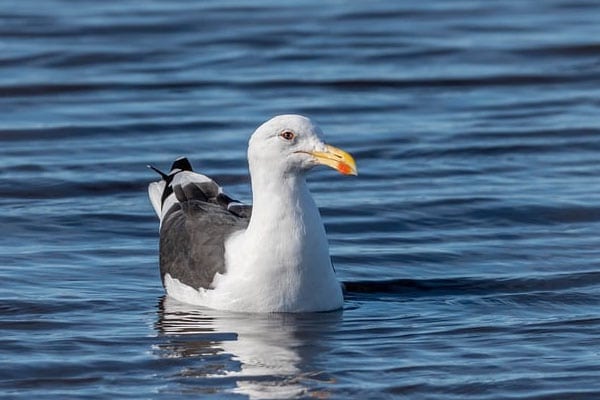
point(287, 135)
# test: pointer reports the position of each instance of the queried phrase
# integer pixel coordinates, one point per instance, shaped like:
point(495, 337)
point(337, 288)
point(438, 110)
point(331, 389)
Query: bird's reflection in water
point(262, 355)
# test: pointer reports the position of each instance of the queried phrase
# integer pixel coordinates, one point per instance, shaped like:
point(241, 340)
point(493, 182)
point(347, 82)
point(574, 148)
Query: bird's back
point(196, 219)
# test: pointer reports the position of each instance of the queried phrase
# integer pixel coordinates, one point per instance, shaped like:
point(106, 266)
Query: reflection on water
point(264, 355)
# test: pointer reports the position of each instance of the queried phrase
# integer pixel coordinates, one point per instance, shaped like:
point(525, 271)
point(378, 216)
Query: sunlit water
point(469, 243)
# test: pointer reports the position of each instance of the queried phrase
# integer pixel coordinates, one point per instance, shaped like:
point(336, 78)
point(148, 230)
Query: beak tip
point(337, 159)
point(346, 169)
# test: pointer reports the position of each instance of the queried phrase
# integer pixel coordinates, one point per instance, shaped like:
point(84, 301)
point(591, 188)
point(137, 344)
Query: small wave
point(353, 85)
point(52, 133)
point(473, 286)
point(574, 50)
point(57, 188)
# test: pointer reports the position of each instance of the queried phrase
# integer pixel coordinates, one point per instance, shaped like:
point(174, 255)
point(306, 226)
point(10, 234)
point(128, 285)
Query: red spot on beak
point(344, 168)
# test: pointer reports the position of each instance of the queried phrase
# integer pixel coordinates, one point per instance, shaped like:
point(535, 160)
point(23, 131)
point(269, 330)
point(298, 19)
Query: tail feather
point(182, 164)
point(158, 171)
point(159, 191)
point(181, 185)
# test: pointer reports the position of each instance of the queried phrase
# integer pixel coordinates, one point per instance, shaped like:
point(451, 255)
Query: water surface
point(468, 243)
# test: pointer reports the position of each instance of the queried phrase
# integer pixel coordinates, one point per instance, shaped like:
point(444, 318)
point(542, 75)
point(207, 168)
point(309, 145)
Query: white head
point(293, 144)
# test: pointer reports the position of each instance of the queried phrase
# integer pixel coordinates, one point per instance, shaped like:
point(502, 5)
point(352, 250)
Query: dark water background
point(470, 241)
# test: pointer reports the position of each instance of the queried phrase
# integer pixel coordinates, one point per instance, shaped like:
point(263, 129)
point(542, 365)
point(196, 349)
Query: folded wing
point(196, 218)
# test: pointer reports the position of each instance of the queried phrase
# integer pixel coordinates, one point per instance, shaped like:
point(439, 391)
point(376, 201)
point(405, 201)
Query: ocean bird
point(272, 256)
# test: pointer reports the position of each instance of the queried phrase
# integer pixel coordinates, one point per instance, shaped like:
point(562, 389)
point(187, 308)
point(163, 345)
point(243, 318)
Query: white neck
point(283, 255)
point(279, 201)
point(285, 215)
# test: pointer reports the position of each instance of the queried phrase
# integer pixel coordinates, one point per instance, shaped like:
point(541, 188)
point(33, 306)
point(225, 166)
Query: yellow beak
point(337, 159)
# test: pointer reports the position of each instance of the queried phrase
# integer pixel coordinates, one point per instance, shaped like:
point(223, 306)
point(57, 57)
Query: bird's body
point(271, 257)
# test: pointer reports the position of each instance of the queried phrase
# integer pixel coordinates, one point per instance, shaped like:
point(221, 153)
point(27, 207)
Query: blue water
point(469, 243)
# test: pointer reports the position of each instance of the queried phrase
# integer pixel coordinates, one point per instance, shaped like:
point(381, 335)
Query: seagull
point(272, 256)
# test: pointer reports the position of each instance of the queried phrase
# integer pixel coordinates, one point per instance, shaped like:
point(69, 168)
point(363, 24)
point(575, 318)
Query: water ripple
point(468, 244)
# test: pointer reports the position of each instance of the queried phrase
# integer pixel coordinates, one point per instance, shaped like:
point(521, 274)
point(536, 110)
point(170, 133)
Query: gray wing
point(195, 227)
